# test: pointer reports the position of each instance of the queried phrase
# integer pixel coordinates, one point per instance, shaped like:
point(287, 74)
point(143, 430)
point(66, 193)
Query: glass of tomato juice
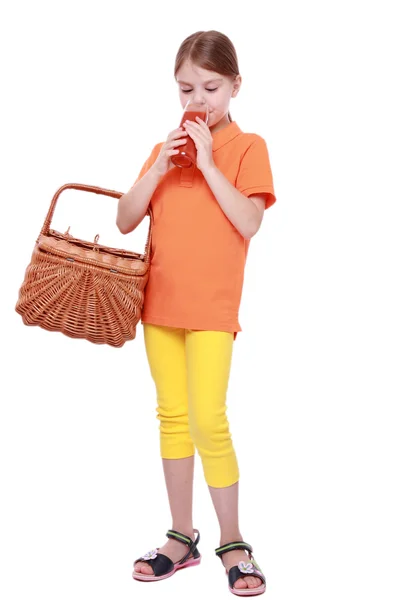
point(187, 152)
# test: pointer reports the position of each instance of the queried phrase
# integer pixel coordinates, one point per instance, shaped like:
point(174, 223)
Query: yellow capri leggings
point(190, 370)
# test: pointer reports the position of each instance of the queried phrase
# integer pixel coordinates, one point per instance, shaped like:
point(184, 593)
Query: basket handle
point(96, 190)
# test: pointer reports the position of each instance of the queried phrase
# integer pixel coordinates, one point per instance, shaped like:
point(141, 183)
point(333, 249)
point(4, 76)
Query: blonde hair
point(211, 50)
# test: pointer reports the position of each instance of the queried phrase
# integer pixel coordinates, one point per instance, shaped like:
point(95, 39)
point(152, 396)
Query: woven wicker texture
point(84, 289)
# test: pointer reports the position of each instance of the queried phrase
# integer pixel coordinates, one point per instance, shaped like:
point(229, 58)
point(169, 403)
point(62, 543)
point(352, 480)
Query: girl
point(204, 217)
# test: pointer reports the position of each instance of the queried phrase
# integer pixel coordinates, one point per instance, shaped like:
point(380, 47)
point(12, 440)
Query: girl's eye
point(208, 90)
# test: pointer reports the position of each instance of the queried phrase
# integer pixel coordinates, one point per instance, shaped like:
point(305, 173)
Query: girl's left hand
point(201, 135)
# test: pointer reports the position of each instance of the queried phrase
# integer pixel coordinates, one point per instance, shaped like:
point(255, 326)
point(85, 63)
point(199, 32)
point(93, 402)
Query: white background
point(87, 90)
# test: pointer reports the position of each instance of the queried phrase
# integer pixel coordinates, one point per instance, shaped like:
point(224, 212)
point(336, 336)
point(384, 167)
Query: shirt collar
point(225, 135)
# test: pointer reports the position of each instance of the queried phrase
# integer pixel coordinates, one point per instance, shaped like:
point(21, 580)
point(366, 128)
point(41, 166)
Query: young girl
point(204, 217)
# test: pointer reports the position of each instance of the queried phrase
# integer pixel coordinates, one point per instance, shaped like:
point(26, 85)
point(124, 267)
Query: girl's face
point(201, 85)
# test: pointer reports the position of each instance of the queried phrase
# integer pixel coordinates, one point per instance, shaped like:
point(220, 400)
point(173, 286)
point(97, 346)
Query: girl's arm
point(244, 213)
point(133, 205)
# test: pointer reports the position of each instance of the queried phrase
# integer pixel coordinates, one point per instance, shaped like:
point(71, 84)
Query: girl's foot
point(172, 548)
point(232, 558)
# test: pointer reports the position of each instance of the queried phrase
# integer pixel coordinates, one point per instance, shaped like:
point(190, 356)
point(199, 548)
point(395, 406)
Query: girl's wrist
point(210, 169)
point(156, 175)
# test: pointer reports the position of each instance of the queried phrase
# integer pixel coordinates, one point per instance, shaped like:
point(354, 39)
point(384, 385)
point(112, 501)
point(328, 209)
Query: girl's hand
point(201, 135)
point(163, 163)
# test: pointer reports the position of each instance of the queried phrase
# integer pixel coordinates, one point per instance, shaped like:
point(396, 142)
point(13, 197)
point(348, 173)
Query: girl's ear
point(237, 82)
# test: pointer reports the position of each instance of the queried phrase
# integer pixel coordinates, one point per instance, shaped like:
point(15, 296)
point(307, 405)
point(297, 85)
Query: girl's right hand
point(174, 139)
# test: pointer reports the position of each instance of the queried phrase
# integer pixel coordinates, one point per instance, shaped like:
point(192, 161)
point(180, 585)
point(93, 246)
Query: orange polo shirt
point(198, 256)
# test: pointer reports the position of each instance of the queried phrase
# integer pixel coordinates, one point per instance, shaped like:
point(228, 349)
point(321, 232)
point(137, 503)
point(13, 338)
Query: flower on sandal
point(149, 555)
point(245, 567)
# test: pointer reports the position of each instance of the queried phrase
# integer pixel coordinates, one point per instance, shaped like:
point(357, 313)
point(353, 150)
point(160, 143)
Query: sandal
point(242, 569)
point(162, 565)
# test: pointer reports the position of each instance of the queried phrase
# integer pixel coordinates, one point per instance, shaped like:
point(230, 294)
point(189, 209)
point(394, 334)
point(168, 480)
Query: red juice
point(187, 152)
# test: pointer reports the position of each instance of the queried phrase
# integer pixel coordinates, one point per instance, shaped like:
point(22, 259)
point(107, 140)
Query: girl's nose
point(199, 99)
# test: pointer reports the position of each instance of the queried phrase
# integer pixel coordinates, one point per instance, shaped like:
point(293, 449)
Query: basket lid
point(76, 250)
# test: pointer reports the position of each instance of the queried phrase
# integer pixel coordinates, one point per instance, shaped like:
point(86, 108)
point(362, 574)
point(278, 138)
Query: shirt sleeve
point(255, 175)
point(149, 162)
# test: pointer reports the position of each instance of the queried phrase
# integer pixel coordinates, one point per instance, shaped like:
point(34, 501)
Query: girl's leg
point(165, 349)
point(209, 355)
point(226, 500)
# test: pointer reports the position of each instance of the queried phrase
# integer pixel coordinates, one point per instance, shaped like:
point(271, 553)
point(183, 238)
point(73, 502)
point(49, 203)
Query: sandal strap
point(233, 546)
point(185, 539)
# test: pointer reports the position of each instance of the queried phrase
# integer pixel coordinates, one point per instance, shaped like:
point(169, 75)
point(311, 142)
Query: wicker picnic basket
point(83, 289)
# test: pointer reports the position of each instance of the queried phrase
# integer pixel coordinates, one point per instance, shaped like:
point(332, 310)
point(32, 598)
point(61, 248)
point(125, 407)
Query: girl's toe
point(144, 568)
point(253, 582)
point(247, 582)
point(147, 570)
point(240, 584)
